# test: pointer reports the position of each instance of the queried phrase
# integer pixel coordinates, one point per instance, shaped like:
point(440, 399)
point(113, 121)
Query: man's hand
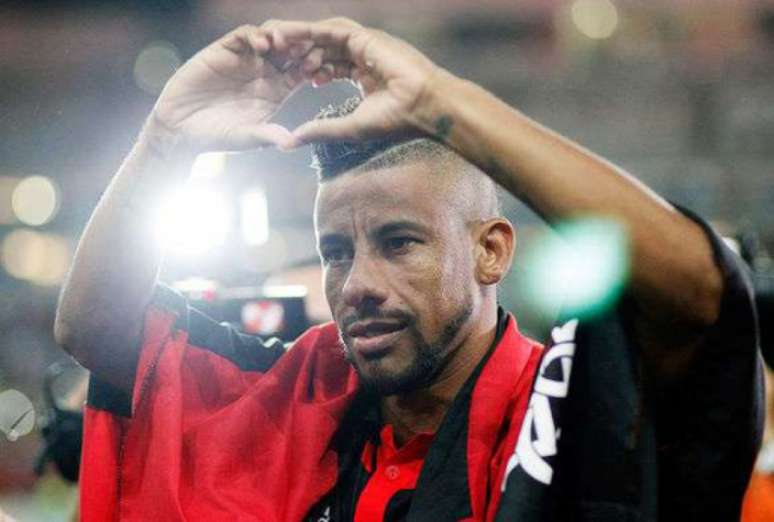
point(395, 78)
point(224, 96)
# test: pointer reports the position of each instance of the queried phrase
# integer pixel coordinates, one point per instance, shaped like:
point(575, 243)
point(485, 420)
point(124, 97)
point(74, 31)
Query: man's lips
point(371, 338)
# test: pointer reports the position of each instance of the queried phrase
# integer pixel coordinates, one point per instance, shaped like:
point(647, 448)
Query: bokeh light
point(584, 267)
point(155, 64)
point(34, 200)
point(7, 187)
point(193, 221)
point(17, 415)
point(596, 19)
point(42, 259)
point(254, 217)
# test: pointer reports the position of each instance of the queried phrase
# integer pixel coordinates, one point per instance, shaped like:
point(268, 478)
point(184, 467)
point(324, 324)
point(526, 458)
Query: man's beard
point(430, 357)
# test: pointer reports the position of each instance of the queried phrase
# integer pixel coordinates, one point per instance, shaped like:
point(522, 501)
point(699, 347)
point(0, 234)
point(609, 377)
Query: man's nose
point(365, 282)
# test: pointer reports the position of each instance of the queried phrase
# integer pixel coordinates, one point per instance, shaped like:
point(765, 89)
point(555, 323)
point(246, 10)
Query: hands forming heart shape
point(224, 97)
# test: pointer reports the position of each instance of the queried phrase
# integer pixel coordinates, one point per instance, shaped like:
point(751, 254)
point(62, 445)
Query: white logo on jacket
point(529, 452)
point(326, 516)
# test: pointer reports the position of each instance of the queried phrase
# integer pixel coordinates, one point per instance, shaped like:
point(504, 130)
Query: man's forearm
point(100, 311)
point(674, 277)
point(222, 98)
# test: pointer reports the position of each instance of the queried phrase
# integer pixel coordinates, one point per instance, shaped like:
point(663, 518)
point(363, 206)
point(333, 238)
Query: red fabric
point(396, 469)
point(758, 503)
point(208, 441)
point(497, 409)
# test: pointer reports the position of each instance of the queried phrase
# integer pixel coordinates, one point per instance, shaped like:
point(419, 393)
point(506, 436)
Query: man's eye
point(399, 244)
point(336, 255)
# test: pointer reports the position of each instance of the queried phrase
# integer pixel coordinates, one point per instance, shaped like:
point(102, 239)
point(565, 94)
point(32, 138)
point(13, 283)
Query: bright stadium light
point(254, 217)
point(209, 165)
point(193, 221)
point(584, 267)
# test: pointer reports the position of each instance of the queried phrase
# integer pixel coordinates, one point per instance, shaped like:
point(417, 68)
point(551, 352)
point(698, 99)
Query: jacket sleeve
point(215, 350)
point(190, 368)
point(709, 424)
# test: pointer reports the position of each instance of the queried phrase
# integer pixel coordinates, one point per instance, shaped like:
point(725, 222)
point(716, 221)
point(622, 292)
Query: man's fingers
point(342, 70)
point(299, 49)
point(274, 134)
point(366, 82)
point(340, 39)
point(259, 41)
point(293, 76)
point(312, 61)
point(247, 38)
point(324, 33)
point(342, 21)
point(335, 53)
point(329, 129)
point(323, 75)
point(290, 30)
point(258, 136)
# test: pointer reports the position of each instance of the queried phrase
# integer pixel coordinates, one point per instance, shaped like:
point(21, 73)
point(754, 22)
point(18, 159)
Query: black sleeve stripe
point(172, 300)
point(247, 352)
point(104, 396)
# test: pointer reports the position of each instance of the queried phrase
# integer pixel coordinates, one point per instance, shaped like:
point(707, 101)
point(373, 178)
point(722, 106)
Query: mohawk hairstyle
point(333, 158)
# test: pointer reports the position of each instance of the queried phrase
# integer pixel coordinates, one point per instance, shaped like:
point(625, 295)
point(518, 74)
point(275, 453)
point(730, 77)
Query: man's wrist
point(433, 113)
point(164, 143)
point(159, 154)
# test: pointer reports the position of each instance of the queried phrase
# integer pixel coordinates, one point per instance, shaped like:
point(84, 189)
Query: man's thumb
point(326, 129)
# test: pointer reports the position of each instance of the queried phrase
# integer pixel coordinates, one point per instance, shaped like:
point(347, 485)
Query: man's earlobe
point(494, 251)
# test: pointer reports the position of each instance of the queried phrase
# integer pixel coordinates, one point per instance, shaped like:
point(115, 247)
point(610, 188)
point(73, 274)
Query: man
point(190, 420)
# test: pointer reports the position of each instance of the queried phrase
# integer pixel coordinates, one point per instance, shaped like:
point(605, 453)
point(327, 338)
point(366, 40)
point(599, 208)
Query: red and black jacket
point(222, 426)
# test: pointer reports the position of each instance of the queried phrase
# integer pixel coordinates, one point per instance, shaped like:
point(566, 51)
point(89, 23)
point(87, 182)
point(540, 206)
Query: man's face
point(398, 272)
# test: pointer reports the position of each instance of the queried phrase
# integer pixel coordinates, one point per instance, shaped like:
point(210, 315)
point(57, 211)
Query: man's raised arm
point(675, 281)
point(221, 99)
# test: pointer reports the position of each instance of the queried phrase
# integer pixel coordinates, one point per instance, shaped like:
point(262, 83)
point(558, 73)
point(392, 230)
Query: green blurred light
point(584, 266)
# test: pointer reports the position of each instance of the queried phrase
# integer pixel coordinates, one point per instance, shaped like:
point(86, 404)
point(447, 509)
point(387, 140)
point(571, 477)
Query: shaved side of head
point(467, 188)
point(473, 191)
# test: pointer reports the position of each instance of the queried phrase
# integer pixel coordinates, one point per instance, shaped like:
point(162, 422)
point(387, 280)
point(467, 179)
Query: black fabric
point(709, 424)
point(442, 491)
point(764, 302)
point(247, 352)
point(608, 443)
point(399, 505)
point(104, 396)
point(631, 451)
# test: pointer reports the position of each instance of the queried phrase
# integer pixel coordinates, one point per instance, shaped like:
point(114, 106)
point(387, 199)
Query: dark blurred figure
point(759, 501)
point(62, 427)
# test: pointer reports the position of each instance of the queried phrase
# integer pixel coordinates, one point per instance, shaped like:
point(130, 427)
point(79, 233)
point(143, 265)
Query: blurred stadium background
point(679, 93)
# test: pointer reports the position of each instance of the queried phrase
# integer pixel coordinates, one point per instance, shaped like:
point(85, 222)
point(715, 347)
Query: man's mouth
point(372, 338)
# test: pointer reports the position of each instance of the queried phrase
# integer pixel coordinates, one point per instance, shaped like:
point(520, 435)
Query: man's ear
point(495, 240)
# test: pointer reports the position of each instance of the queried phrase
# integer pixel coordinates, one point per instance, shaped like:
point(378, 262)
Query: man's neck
point(422, 411)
